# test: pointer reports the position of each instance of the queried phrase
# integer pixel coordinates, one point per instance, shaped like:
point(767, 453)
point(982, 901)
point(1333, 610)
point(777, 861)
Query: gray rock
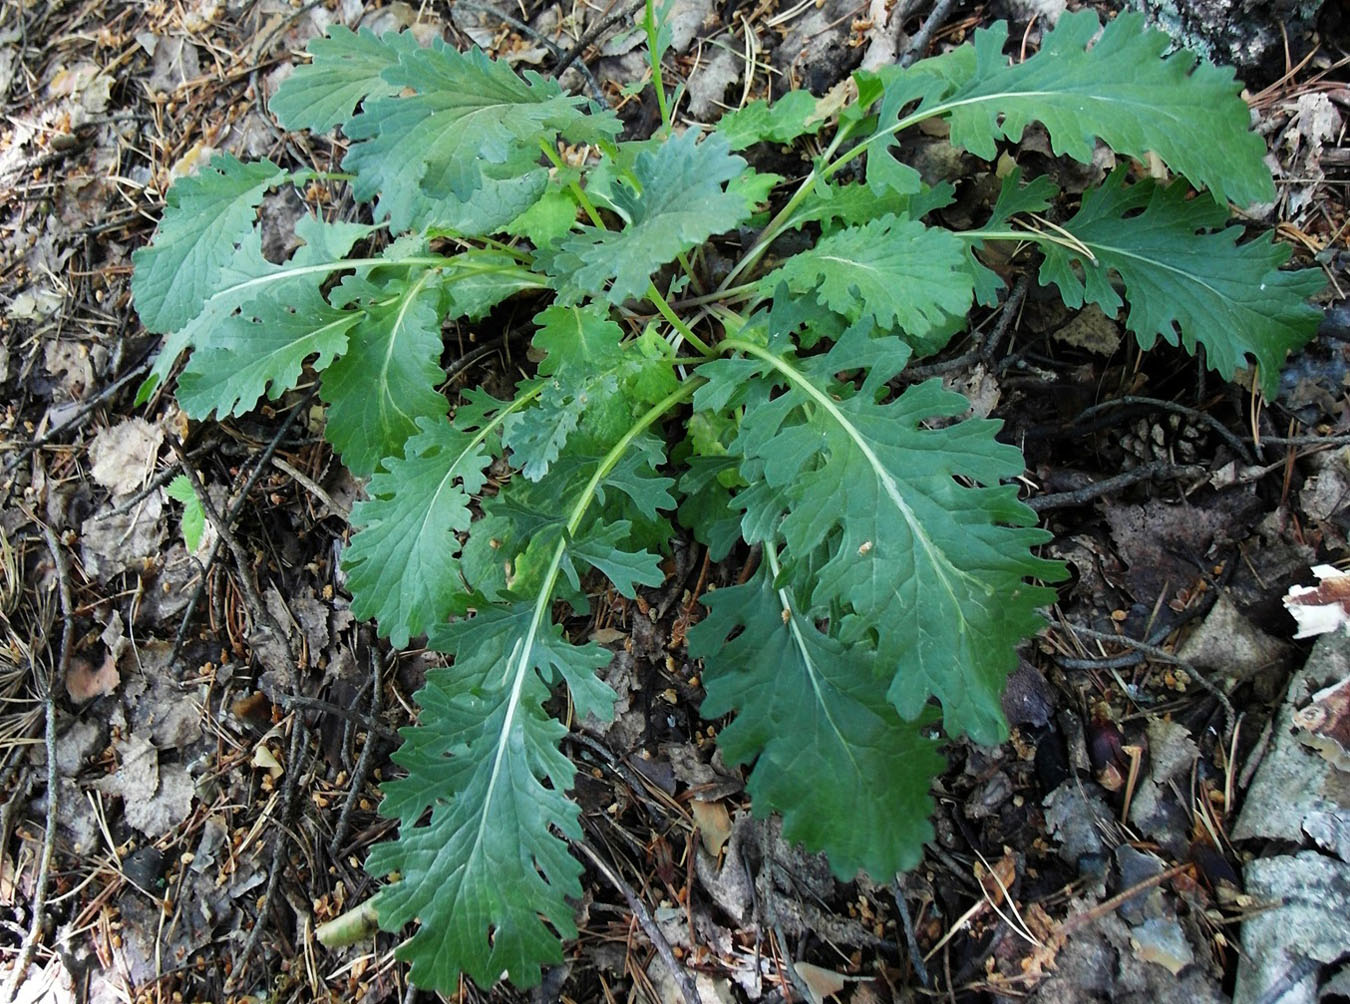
point(1239, 33)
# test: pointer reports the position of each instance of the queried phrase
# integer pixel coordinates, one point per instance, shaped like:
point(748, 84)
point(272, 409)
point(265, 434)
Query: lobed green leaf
point(486, 876)
point(402, 563)
point(1184, 283)
point(848, 774)
point(591, 379)
point(680, 200)
point(472, 124)
point(895, 271)
point(1115, 86)
point(206, 218)
point(387, 381)
point(347, 69)
point(790, 117)
point(254, 335)
point(927, 553)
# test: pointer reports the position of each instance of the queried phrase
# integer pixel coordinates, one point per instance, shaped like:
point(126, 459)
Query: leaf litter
point(149, 748)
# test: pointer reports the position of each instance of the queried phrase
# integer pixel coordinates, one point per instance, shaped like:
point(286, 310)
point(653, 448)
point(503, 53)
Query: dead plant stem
point(54, 679)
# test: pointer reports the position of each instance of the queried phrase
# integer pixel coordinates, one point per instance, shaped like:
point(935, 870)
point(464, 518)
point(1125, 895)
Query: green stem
point(913, 119)
point(1038, 236)
point(615, 454)
point(734, 293)
point(683, 259)
point(665, 310)
point(784, 216)
point(357, 924)
point(574, 186)
point(544, 601)
point(323, 175)
point(654, 57)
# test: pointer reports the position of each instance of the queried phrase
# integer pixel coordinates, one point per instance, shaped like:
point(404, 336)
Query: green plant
point(761, 407)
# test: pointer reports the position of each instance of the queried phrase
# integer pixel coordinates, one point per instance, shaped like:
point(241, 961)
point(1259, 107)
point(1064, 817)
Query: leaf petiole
point(665, 310)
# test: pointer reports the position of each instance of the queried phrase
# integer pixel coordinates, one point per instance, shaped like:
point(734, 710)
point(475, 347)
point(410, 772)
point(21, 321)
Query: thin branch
point(84, 409)
point(559, 57)
point(54, 680)
point(363, 762)
point(794, 977)
point(911, 940)
point(257, 609)
point(688, 990)
point(918, 45)
point(1162, 655)
point(1161, 469)
point(983, 352)
point(232, 514)
point(299, 735)
point(372, 726)
point(594, 32)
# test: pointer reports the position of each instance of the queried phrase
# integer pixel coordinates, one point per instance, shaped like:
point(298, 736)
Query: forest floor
point(210, 813)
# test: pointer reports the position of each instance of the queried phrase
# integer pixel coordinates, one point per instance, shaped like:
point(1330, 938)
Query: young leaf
point(924, 568)
point(680, 203)
point(601, 549)
point(347, 69)
point(791, 116)
point(551, 217)
point(896, 271)
point(479, 280)
point(402, 563)
point(486, 872)
point(194, 517)
point(1231, 298)
point(588, 372)
point(514, 541)
point(205, 218)
point(849, 775)
point(1118, 89)
point(387, 379)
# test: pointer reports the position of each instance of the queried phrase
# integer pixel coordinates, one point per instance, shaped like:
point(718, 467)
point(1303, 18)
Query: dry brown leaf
point(820, 981)
point(84, 682)
point(714, 824)
point(1325, 724)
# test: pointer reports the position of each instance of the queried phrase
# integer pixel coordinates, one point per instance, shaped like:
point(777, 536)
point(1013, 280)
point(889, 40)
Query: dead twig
point(688, 990)
point(86, 406)
point(918, 45)
point(363, 762)
point(911, 940)
point(594, 32)
point(54, 679)
point(257, 609)
point(984, 352)
point(232, 514)
point(1106, 906)
point(790, 970)
point(299, 736)
point(1162, 655)
point(371, 725)
point(553, 48)
point(1161, 469)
